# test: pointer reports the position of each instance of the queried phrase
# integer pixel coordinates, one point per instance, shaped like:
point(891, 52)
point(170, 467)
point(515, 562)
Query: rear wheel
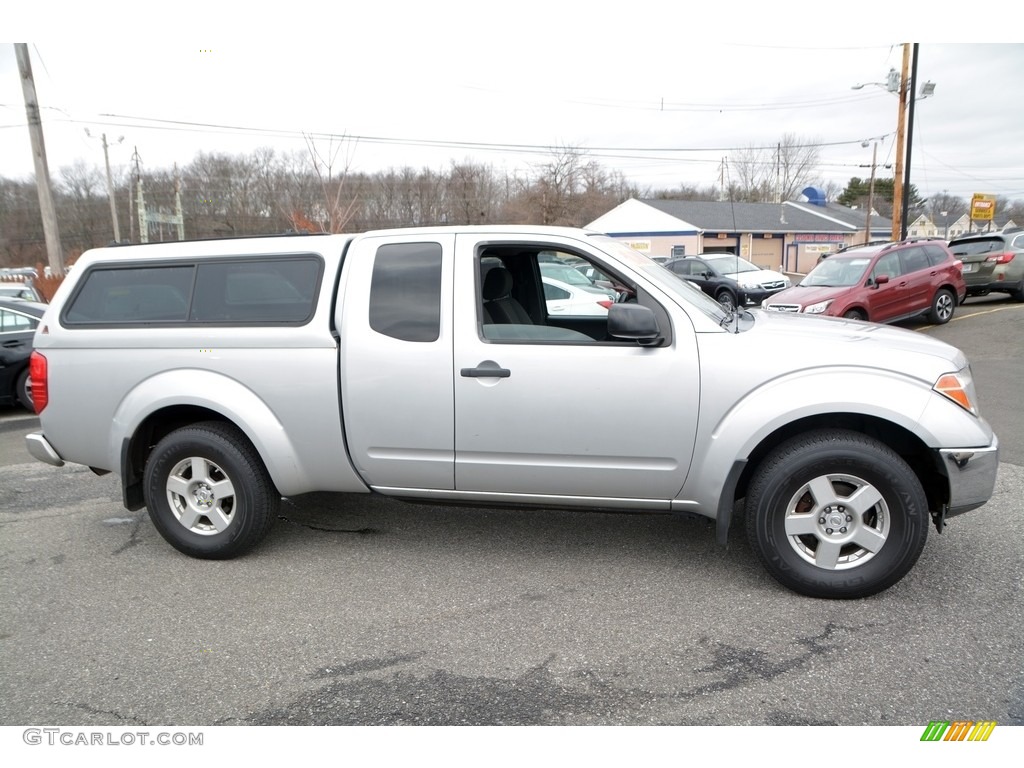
point(208, 493)
point(836, 514)
point(943, 304)
point(23, 390)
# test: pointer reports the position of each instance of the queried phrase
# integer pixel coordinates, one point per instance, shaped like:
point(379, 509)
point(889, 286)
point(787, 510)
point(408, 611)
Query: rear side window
point(133, 295)
point(937, 255)
point(13, 322)
point(257, 291)
point(405, 291)
point(262, 292)
point(913, 259)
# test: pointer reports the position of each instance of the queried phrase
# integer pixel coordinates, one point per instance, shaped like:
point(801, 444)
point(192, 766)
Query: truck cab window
point(405, 291)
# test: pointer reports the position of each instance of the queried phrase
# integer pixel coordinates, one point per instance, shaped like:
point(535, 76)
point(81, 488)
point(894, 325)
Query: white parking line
point(974, 314)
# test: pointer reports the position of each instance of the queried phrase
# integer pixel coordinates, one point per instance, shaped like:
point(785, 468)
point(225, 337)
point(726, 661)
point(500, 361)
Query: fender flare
point(728, 444)
point(220, 394)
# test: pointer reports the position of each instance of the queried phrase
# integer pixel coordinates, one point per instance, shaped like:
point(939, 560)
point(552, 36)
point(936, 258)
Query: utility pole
point(110, 192)
point(55, 254)
point(901, 131)
point(110, 185)
point(871, 194)
point(910, 143)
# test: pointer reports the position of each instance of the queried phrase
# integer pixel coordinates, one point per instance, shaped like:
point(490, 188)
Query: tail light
point(607, 304)
point(40, 390)
point(1001, 258)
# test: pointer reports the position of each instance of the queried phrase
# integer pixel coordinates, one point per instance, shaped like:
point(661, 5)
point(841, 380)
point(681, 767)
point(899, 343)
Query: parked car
point(730, 280)
point(566, 299)
point(880, 283)
point(18, 321)
point(572, 276)
point(19, 290)
point(993, 261)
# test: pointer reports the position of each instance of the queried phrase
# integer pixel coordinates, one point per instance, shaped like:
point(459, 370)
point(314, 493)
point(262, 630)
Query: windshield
point(569, 275)
point(731, 264)
point(837, 271)
point(665, 278)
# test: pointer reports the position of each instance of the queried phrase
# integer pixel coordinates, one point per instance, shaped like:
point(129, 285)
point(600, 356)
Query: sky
point(661, 92)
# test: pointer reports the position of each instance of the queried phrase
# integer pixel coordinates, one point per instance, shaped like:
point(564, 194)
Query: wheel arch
point(909, 446)
point(859, 308)
point(167, 402)
point(135, 448)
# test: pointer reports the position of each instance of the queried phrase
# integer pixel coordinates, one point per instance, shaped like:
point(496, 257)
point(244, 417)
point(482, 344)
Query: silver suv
point(993, 261)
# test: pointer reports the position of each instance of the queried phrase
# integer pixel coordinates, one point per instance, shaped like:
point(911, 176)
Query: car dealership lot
point(365, 611)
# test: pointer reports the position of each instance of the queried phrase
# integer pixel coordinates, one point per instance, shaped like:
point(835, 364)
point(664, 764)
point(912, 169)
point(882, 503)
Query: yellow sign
point(983, 207)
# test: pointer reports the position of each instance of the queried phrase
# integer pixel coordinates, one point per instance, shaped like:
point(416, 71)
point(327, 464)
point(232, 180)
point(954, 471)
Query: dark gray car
point(993, 261)
point(18, 321)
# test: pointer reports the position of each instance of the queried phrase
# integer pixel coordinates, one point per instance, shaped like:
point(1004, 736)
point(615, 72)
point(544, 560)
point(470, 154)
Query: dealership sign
point(983, 207)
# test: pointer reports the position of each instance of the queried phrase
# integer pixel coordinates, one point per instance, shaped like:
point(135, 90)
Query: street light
point(901, 182)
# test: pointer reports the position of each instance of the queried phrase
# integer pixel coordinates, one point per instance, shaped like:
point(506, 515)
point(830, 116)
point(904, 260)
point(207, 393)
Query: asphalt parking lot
point(364, 611)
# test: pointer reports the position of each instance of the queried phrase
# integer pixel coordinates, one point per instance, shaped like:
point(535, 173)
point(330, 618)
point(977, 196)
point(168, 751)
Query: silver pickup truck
point(215, 377)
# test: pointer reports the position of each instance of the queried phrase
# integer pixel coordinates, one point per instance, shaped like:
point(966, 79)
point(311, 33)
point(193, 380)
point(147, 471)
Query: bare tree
point(337, 209)
point(782, 172)
point(471, 193)
point(82, 192)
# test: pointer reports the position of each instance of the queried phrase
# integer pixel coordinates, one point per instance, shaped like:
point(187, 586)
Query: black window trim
point(195, 263)
point(481, 252)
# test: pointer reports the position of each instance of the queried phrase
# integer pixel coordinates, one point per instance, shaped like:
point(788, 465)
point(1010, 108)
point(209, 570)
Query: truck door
point(547, 408)
point(394, 313)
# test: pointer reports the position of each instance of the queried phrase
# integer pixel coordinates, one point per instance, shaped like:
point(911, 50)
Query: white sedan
point(565, 299)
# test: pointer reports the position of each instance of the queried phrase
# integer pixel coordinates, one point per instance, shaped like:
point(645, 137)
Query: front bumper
point(752, 297)
point(972, 476)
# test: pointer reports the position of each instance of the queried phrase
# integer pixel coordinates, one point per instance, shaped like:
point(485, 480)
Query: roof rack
point(286, 233)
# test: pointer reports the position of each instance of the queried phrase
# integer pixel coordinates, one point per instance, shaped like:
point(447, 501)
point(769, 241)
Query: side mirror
point(632, 321)
point(881, 280)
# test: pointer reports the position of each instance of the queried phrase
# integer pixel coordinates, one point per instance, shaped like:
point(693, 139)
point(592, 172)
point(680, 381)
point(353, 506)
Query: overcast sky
point(656, 90)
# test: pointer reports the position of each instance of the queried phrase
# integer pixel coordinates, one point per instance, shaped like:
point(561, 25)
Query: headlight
point(959, 387)
point(817, 309)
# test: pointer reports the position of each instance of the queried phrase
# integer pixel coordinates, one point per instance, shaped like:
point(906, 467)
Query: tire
point(943, 305)
point(855, 314)
point(836, 514)
point(727, 300)
point(23, 391)
point(208, 493)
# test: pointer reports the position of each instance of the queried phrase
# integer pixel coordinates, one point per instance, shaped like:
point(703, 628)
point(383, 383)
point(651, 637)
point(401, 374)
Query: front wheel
point(836, 514)
point(727, 300)
point(208, 493)
point(943, 304)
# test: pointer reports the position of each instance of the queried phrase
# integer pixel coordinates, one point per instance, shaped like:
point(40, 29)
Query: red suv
point(881, 283)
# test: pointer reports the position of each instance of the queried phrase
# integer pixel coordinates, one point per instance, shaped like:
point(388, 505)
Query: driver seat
point(499, 304)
